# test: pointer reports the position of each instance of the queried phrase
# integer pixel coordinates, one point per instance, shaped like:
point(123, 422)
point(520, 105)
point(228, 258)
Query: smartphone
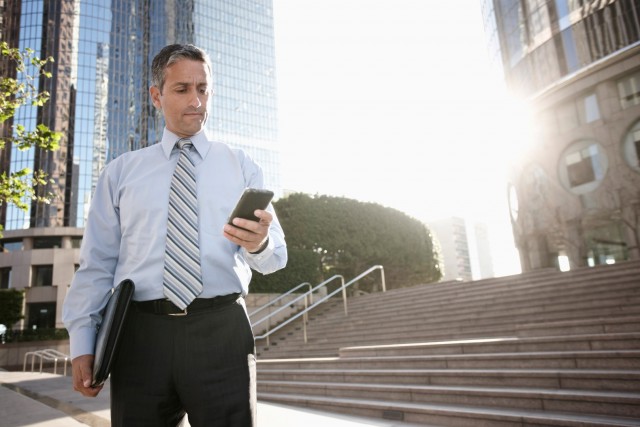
point(251, 199)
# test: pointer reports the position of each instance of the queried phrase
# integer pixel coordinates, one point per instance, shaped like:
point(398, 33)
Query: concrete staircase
point(543, 349)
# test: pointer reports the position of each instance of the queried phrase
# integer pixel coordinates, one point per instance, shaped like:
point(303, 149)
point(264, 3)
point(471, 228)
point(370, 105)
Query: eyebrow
point(177, 84)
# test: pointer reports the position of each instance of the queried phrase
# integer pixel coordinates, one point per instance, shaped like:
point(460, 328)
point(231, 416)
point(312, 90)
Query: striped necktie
point(182, 276)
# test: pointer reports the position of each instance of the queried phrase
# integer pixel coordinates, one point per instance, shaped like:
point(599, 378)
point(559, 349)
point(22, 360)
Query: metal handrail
point(48, 355)
point(305, 296)
point(270, 303)
point(320, 301)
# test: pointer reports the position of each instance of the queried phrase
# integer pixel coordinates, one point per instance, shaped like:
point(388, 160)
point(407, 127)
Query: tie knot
point(185, 143)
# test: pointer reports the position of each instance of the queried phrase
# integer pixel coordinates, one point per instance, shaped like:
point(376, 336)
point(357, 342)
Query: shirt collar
point(200, 142)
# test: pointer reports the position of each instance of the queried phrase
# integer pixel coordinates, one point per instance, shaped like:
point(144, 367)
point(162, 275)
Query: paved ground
point(48, 400)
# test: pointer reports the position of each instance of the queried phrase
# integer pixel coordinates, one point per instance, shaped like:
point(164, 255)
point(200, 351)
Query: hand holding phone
point(251, 199)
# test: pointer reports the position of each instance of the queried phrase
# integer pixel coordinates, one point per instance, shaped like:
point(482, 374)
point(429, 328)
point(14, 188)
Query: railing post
point(344, 296)
point(305, 316)
point(268, 324)
point(384, 286)
point(310, 293)
point(305, 320)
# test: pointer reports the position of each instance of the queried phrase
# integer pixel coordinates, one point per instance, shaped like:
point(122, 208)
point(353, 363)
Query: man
point(177, 356)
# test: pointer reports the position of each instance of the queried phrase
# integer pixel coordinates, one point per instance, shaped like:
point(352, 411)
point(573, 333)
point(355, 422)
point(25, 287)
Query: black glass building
point(575, 195)
point(100, 99)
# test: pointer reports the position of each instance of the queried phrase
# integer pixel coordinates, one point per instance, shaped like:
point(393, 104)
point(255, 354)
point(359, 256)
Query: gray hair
point(171, 54)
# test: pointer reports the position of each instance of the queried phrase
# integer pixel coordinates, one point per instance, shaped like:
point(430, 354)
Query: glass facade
point(100, 100)
point(543, 41)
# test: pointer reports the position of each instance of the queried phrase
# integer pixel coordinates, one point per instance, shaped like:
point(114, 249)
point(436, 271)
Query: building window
point(5, 277)
point(12, 245)
point(571, 56)
point(629, 90)
point(47, 242)
point(42, 275)
point(588, 108)
point(631, 147)
point(582, 167)
point(76, 242)
point(42, 315)
point(606, 245)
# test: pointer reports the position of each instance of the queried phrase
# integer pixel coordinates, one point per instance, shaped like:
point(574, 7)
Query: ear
point(155, 97)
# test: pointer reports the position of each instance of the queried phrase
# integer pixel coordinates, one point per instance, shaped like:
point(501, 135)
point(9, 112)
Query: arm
point(263, 244)
point(93, 281)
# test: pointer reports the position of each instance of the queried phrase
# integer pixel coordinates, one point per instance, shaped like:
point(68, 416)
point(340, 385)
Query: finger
point(246, 228)
point(265, 216)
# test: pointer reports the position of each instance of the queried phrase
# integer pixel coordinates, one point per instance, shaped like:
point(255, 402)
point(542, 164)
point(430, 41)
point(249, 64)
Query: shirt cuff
point(262, 247)
point(264, 251)
point(82, 341)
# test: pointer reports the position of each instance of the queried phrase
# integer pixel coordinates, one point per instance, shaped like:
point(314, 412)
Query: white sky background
point(394, 102)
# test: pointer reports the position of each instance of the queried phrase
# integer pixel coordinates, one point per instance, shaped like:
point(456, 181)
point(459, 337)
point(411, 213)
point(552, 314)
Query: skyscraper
point(453, 239)
point(100, 102)
point(575, 196)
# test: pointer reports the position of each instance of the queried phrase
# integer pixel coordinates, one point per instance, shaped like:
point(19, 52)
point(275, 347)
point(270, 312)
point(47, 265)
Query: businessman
point(158, 216)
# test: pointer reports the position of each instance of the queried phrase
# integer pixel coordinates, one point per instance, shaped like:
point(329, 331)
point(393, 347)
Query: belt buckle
point(182, 313)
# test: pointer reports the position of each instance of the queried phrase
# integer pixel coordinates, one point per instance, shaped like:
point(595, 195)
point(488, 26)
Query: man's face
point(184, 97)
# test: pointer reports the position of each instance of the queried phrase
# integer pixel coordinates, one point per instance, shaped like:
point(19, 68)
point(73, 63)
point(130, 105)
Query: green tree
point(10, 306)
point(302, 266)
point(20, 187)
point(345, 236)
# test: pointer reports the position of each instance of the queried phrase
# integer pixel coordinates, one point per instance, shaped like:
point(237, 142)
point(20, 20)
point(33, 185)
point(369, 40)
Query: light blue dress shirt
point(126, 230)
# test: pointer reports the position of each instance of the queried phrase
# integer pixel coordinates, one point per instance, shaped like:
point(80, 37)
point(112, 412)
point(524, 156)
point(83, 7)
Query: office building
point(100, 102)
point(484, 264)
point(575, 195)
point(451, 234)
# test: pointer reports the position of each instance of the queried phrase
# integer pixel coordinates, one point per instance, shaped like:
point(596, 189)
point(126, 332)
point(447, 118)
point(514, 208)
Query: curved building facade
point(575, 194)
point(100, 102)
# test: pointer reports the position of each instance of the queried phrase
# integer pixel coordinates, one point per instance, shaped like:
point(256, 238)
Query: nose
point(195, 100)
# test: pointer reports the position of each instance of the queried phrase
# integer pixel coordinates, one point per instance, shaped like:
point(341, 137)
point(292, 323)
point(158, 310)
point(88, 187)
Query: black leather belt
point(164, 306)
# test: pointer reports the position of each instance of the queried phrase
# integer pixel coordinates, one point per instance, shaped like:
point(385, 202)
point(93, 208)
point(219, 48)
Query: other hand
point(251, 235)
point(82, 370)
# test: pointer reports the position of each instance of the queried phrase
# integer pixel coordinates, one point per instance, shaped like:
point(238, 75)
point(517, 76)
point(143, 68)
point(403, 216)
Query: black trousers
point(202, 364)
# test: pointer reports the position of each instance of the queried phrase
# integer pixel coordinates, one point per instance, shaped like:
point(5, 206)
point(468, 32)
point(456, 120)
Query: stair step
point(448, 415)
point(622, 341)
point(613, 380)
point(605, 360)
point(580, 327)
point(580, 401)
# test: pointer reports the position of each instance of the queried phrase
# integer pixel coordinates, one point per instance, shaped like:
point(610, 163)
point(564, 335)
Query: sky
point(396, 102)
